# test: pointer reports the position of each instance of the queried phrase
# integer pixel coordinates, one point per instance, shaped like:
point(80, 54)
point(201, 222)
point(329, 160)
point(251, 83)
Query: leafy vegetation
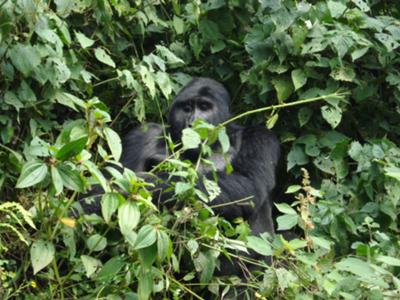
point(76, 74)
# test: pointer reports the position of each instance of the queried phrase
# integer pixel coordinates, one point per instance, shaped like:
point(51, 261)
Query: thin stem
point(231, 203)
point(185, 288)
point(62, 215)
point(274, 107)
point(243, 258)
point(105, 81)
point(122, 109)
point(57, 273)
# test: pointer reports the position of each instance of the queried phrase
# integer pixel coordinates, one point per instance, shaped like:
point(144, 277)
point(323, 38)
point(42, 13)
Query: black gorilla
point(254, 152)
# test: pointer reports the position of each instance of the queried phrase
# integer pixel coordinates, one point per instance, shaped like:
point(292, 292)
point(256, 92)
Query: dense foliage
point(76, 73)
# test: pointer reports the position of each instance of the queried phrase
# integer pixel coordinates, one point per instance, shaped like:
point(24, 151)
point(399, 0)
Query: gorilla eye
point(205, 106)
point(187, 108)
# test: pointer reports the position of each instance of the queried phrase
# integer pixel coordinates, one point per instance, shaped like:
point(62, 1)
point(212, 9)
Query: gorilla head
point(202, 98)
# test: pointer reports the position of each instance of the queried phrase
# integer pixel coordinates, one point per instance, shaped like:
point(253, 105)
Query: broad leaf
point(103, 57)
point(71, 149)
point(70, 178)
point(32, 173)
point(84, 41)
point(190, 139)
point(128, 217)
point(90, 264)
point(25, 58)
point(96, 242)
point(146, 237)
point(42, 253)
point(109, 205)
point(114, 142)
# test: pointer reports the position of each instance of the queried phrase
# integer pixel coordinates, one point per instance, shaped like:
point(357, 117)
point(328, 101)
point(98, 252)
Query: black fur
point(144, 147)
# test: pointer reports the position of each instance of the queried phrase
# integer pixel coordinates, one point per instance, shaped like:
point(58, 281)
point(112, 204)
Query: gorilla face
point(202, 98)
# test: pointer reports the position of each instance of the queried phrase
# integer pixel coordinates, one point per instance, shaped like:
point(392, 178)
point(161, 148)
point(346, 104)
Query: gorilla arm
point(253, 175)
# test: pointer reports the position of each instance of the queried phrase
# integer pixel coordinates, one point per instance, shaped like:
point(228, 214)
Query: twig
point(231, 203)
point(185, 288)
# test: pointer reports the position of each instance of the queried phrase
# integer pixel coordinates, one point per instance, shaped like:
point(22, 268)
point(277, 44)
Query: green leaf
point(355, 266)
point(25, 58)
point(94, 170)
point(210, 30)
point(114, 142)
point(57, 180)
point(12, 99)
point(42, 253)
point(336, 8)
point(285, 208)
point(297, 244)
point(32, 173)
point(272, 120)
point(392, 171)
point(259, 245)
point(148, 255)
point(182, 187)
point(110, 269)
point(90, 264)
point(128, 217)
point(145, 286)
point(387, 40)
point(283, 87)
point(331, 114)
point(69, 100)
point(196, 44)
point(293, 189)
point(299, 78)
point(287, 222)
point(84, 41)
point(358, 53)
point(362, 5)
point(103, 57)
point(190, 139)
point(70, 178)
point(206, 263)
point(163, 81)
point(163, 244)
point(212, 188)
point(169, 56)
point(179, 25)
point(71, 149)
point(304, 115)
point(96, 242)
point(146, 237)
point(391, 261)
point(343, 74)
point(109, 204)
point(147, 79)
point(321, 242)
point(296, 157)
point(223, 140)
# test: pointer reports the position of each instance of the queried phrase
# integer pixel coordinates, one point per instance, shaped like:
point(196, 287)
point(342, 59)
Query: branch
point(274, 107)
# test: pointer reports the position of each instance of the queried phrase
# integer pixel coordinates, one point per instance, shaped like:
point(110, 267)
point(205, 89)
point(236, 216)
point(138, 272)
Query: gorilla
point(254, 156)
point(254, 153)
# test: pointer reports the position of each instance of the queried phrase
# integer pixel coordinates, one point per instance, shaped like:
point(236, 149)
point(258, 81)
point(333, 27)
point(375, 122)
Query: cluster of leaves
point(74, 73)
